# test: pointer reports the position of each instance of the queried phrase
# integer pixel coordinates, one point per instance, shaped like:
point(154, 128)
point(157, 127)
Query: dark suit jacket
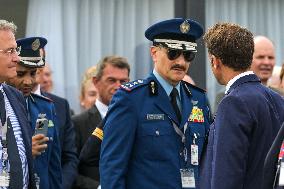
point(271, 161)
point(69, 156)
point(85, 123)
point(18, 104)
point(245, 125)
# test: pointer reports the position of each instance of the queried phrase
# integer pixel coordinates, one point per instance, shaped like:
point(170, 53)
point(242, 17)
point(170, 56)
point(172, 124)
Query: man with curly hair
point(247, 119)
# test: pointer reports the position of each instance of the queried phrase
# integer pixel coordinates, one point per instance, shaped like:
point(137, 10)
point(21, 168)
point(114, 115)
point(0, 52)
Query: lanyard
point(182, 135)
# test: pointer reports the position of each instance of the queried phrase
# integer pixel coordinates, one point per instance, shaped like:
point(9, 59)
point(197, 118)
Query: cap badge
point(184, 27)
point(36, 44)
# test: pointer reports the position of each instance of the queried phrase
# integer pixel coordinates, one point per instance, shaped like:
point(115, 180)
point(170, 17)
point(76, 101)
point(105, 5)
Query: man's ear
point(215, 62)
point(153, 53)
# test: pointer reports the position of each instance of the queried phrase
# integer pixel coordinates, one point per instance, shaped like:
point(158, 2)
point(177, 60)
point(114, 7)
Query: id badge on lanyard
point(187, 175)
point(187, 178)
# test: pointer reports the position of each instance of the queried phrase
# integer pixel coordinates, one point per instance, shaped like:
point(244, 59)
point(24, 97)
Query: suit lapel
point(19, 111)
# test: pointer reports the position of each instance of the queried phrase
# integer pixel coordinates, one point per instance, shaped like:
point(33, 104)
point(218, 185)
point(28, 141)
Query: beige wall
point(16, 11)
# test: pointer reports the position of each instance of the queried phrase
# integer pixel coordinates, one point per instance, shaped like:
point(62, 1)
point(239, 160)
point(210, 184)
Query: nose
point(27, 81)
point(267, 60)
point(15, 58)
point(180, 60)
point(117, 84)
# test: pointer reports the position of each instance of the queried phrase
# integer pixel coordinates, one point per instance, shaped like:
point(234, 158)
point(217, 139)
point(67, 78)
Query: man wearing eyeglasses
point(155, 128)
point(41, 112)
point(16, 170)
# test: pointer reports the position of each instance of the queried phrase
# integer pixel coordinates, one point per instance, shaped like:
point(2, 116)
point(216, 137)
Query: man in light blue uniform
point(155, 128)
point(46, 146)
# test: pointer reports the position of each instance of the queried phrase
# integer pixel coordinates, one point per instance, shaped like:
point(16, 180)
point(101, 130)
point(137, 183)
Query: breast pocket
point(156, 140)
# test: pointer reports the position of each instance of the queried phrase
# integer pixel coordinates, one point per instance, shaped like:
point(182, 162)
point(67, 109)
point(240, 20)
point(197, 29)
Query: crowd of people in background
point(157, 132)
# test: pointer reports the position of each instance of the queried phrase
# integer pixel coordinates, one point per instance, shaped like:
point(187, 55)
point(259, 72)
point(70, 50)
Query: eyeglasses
point(11, 51)
point(175, 53)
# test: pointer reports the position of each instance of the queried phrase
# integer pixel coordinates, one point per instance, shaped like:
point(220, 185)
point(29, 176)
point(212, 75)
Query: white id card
point(187, 178)
point(194, 154)
point(4, 179)
point(281, 174)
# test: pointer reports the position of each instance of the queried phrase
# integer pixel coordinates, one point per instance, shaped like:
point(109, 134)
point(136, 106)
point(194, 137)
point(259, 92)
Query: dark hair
point(232, 44)
point(116, 61)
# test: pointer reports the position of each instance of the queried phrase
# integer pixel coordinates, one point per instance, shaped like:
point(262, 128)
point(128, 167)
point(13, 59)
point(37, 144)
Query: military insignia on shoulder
point(187, 85)
point(196, 115)
point(153, 88)
point(132, 85)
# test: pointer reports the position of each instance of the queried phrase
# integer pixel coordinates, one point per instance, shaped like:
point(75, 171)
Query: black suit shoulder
point(84, 124)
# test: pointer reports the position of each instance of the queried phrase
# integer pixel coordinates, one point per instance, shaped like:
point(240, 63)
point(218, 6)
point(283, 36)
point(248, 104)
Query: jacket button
point(157, 133)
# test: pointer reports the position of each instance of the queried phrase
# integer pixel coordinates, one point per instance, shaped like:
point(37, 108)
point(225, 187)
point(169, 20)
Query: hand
point(39, 144)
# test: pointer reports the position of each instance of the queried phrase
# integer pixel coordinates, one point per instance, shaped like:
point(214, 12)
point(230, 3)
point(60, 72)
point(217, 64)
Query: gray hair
point(5, 25)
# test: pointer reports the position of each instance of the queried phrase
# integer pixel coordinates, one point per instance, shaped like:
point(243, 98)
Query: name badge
point(155, 116)
point(187, 178)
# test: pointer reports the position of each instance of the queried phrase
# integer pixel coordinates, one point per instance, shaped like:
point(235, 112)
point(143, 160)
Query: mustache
point(177, 66)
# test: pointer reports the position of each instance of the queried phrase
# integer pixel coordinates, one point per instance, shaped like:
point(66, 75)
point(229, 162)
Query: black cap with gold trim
point(30, 51)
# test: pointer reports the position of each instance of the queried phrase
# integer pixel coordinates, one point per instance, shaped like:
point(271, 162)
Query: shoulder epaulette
point(194, 86)
point(33, 96)
point(133, 85)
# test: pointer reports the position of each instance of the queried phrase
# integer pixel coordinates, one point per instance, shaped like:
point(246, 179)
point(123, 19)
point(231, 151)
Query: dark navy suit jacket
point(69, 157)
point(246, 123)
point(271, 161)
point(18, 104)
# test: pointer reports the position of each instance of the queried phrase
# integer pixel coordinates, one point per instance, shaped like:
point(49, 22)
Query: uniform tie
point(16, 173)
point(174, 95)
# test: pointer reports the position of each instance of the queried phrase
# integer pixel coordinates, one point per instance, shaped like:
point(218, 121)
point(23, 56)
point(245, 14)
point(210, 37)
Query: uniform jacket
point(140, 148)
point(69, 157)
point(246, 123)
point(271, 162)
point(48, 164)
point(19, 106)
point(84, 124)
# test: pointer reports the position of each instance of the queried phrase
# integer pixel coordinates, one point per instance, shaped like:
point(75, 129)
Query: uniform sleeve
point(69, 151)
point(90, 153)
point(233, 125)
point(55, 175)
point(119, 133)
